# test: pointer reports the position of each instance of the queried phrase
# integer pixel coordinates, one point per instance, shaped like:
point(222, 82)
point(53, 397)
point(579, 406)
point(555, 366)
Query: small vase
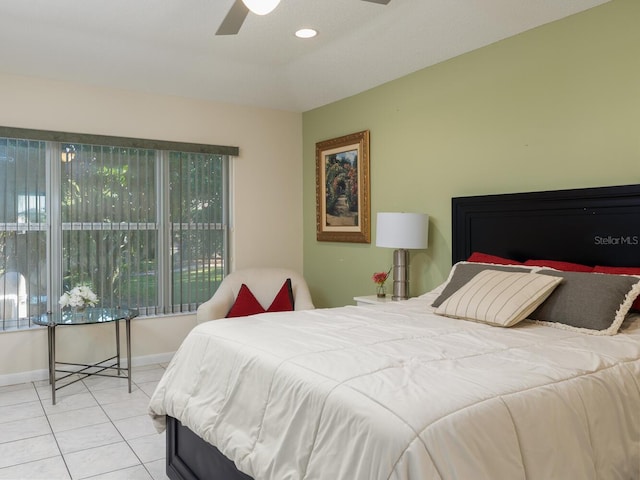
point(80, 309)
point(381, 291)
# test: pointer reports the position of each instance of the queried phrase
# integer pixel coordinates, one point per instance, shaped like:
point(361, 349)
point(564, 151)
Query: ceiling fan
point(241, 8)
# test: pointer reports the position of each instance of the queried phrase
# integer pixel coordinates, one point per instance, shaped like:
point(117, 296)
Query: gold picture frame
point(342, 189)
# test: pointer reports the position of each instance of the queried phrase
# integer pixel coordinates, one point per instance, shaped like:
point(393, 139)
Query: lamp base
point(400, 274)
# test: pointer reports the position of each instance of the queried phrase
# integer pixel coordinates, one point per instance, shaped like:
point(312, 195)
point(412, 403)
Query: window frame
point(163, 226)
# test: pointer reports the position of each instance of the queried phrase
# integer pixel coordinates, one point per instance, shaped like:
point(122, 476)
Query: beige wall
point(266, 186)
point(556, 107)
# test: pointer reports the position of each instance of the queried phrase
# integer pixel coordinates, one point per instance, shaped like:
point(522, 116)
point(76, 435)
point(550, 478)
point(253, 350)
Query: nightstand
point(372, 300)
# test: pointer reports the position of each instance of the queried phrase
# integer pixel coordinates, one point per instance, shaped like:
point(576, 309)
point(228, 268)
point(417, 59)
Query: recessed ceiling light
point(306, 33)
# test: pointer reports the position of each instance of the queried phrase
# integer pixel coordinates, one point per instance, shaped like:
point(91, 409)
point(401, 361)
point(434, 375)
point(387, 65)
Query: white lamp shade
point(402, 230)
point(261, 7)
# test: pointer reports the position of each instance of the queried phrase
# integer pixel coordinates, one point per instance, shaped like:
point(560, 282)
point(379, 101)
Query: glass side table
point(88, 316)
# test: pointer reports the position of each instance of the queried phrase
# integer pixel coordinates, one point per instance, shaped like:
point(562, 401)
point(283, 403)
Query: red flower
point(380, 277)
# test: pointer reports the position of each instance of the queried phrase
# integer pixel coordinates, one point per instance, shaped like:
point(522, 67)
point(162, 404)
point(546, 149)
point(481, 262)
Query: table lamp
point(402, 231)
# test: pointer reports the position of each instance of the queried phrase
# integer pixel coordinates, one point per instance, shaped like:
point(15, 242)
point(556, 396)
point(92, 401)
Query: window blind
point(145, 228)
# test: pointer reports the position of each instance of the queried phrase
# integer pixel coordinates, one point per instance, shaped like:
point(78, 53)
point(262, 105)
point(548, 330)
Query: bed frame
point(592, 226)
point(191, 458)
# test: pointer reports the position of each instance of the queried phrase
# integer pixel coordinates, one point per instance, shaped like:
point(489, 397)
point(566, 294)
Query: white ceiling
point(169, 46)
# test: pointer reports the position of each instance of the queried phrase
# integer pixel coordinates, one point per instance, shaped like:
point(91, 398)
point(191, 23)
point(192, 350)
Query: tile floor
point(96, 430)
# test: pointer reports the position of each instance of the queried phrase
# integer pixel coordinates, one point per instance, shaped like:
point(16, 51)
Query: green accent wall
point(553, 108)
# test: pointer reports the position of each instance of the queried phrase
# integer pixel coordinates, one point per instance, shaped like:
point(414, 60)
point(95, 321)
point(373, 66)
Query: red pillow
point(621, 271)
point(479, 257)
point(247, 304)
point(617, 270)
point(563, 266)
point(284, 299)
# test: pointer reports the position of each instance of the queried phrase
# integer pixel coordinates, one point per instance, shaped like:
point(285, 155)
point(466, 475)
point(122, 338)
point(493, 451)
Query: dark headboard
point(592, 226)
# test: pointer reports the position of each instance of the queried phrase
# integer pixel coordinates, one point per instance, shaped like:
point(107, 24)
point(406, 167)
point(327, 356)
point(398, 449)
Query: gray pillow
point(463, 272)
point(588, 302)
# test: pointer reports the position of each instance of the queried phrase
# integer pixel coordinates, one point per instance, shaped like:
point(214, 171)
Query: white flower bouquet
point(79, 297)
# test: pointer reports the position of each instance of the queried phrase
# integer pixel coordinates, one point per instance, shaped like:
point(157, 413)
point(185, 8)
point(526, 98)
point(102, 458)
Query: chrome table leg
point(51, 333)
point(128, 320)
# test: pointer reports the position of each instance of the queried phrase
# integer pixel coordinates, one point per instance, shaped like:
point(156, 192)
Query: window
point(144, 226)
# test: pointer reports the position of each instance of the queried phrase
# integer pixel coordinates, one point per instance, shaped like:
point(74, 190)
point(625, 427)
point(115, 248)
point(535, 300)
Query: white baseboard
point(151, 359)
point(23, 377)
point(37, 375)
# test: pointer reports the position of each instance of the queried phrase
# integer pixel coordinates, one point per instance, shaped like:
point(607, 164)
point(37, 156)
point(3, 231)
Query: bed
point(399, 392)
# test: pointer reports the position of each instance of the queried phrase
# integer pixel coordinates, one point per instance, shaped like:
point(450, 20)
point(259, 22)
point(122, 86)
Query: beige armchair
point(264, 283)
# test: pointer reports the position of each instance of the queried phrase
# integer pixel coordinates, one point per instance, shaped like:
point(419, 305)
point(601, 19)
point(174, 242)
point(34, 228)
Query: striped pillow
point(499, 298)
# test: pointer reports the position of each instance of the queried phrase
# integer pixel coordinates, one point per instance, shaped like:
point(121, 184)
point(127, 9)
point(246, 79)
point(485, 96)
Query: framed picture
point(342, 189)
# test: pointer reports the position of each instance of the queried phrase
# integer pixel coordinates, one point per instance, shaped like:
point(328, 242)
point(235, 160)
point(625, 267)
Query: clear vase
point(381, 291)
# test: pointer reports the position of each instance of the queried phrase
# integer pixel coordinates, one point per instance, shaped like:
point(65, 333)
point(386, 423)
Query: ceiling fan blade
point(381, 2)
point(234, 19)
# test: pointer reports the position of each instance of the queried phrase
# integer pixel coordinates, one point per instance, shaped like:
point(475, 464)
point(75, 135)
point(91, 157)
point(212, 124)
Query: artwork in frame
point(342, 189)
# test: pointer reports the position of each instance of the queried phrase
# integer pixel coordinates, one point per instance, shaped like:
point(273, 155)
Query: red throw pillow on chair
point(283, 302)
point(247, 304)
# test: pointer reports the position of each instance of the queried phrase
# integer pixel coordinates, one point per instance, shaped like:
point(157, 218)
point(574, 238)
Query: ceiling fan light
point(261, 7)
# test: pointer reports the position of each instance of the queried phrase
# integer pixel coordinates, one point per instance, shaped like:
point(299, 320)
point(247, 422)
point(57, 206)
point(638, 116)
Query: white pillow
point(499, 298)
point(462, 272)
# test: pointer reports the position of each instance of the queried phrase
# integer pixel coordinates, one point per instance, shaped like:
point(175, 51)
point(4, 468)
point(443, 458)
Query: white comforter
point(396, 392)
